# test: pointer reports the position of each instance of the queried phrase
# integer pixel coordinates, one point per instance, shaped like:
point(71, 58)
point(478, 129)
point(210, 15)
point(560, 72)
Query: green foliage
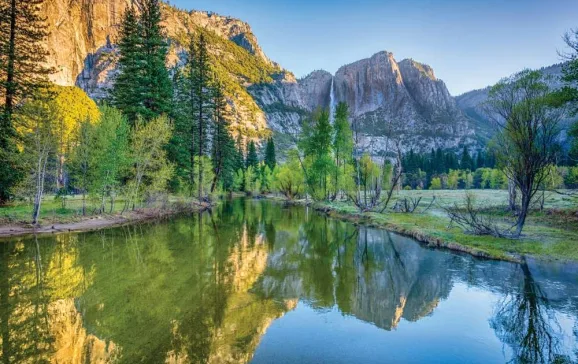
point(289, 178)
point(569, 94)
point(156, 84)
point(203, 173)
point(266, 178)
point(571, 179)
point(342, 148)
point(466, 161)
point(554, 178)
point(127, 91)
point(252, 181)
point(252, 158)
point(23, 74)
point(143, 87)
point(224, 153)
point(436, 184)
point(316, 143)
point(150, 168)
point(110, 154)
point(498, 180)
point(270, 158)
point(239, 180)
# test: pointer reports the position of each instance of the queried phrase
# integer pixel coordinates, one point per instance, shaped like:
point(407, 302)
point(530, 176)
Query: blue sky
point(470, 44)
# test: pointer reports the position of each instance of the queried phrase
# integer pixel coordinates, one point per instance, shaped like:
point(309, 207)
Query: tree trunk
point(523, 213)
point(41, 172)
point(10, 89)
point(512, 195)
point(83, 202)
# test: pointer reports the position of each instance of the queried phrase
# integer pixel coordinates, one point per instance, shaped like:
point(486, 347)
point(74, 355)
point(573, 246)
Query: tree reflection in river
point(205, 288)
point(524, 320)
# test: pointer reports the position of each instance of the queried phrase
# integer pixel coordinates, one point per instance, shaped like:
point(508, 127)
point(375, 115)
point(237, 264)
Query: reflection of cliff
point(72, 344)
point(367, 273)
point(395, 279)
point(246, 317)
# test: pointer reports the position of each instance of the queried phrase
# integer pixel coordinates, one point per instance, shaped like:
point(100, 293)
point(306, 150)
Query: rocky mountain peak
point(410, 65)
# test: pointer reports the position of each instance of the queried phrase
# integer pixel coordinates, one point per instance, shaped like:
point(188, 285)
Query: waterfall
point(332, 102)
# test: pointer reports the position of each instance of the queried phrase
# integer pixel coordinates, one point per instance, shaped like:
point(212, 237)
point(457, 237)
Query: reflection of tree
point(524, 321)
point(23, 304)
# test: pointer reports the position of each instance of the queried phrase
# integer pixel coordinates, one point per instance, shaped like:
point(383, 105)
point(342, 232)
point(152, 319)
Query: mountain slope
point(472, 103)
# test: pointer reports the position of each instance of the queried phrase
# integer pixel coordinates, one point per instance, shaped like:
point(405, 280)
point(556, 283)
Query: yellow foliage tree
point(73, 107)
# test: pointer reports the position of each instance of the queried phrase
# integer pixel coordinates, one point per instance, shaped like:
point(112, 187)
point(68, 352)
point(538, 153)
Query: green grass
point(51, 210)
point(550, 234)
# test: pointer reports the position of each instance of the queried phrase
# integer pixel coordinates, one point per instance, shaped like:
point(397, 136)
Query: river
point(256, 281)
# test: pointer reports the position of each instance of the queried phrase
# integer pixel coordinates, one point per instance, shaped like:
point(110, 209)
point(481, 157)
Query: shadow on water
point(209, 287)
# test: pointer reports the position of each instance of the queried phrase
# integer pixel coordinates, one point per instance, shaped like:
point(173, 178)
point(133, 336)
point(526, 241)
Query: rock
point(405, 98)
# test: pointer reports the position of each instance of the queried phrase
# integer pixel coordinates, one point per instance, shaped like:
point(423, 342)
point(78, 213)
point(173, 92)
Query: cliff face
point(404, 100)
point(288, 100)
point(80, 29)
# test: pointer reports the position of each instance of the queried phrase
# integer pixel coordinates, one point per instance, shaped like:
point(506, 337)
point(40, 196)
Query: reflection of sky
point(470, 44)
point(457, 331)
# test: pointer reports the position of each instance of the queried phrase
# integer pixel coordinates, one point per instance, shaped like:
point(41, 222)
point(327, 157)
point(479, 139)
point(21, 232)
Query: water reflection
point(206, 288)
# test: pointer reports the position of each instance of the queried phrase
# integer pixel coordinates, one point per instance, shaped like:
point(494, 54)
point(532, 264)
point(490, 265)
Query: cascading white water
point(332, 102)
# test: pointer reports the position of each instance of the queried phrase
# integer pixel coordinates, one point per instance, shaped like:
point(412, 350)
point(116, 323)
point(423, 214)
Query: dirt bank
point(96, 222)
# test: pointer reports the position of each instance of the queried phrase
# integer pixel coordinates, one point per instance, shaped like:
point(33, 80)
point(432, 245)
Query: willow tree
point(150, 168)
point(528, 127)
point(23, 32)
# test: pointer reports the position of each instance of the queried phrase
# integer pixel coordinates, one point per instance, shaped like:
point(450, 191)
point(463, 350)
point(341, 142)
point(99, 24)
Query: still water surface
point(258, 282)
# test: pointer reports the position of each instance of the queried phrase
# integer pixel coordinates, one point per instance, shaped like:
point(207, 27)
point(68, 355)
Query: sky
point(469, 43)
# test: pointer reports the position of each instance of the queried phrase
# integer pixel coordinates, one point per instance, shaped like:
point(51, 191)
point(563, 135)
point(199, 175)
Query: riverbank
point(66, 223)
point(542, 239)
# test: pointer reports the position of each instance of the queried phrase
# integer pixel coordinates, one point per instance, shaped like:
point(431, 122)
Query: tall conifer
point(157, 88)
point(128, 86)
point(270, 158)
point(22, 73)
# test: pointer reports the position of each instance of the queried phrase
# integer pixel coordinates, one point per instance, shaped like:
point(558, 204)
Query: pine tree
point(480, 160)
point(239, 158)
point(466, 161)
point(316, 143)
point(179, 148)
point(200, 75)
point(223, 147)
point(143, 86)
point(252, 158)
point(128, 87)
point(157, 88)
point(270, 159)
point(342, 143)
point(22, 74)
